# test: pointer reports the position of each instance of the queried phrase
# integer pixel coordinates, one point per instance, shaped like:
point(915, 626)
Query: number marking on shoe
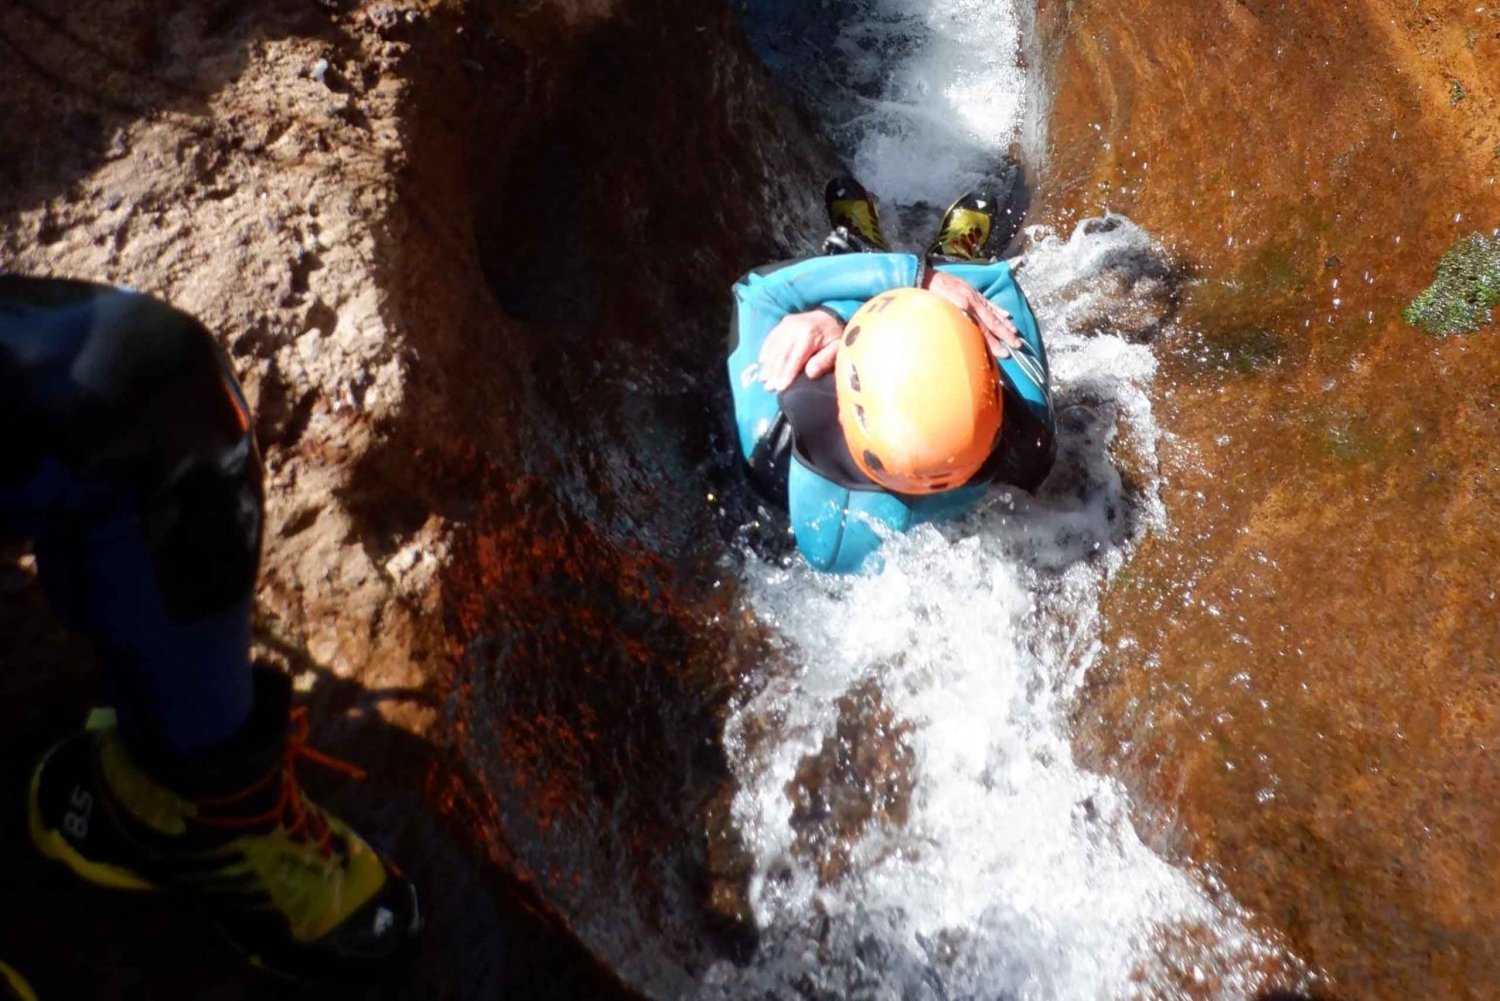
point(76, 821)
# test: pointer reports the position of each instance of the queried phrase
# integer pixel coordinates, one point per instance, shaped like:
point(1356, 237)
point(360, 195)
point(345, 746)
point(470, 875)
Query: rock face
point(1312, 688)
point(860, 777)
point(470, 262)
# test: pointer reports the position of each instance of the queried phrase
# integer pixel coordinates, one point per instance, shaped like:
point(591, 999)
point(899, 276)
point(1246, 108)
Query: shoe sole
point(53, 845)
point(290, 975)
point(940, 245)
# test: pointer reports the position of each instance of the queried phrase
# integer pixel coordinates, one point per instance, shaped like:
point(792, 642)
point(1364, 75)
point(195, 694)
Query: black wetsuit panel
point(1025, 452)
point(812, 409)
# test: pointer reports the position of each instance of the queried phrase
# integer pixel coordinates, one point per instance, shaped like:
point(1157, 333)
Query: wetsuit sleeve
point(804, 285)
point(764, 296)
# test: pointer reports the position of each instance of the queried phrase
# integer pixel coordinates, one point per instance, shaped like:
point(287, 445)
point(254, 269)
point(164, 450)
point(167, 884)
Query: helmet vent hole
point(873, 461)
point(854, 378)
point(859, 413)
point(851, 336)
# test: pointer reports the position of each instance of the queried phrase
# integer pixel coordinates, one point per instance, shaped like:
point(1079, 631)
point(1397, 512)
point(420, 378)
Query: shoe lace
point(292, 810)
point(961, 239)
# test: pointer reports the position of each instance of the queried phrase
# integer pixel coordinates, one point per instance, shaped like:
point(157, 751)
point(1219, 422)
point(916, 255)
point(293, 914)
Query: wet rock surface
point(1304, 664)
point(861, 777)
point(1133, 292)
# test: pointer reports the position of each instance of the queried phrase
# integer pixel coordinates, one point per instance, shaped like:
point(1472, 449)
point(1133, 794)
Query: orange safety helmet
point(918, 392)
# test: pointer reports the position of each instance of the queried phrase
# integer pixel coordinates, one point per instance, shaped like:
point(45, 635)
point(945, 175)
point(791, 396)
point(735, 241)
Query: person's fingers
point(773, 359)
point(773, 346)
point(1000, 331)
point(991, 325)
point(966, 297)
point(998, 323)
point(799, 346)
point(821, 363)
point(996, 345)
point(1009, 332)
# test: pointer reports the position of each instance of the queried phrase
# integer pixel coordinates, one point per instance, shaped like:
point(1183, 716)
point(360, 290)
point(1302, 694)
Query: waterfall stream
point(985, 863)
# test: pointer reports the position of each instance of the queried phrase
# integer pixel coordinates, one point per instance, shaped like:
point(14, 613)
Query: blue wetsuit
point(129, 461)
point(792, 440)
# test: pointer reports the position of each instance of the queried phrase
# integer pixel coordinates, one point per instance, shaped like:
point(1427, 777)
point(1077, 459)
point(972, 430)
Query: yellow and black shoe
point(982, 224)
point(968, 231)
point(294, 887)
point(853, 216)
point(13, 986)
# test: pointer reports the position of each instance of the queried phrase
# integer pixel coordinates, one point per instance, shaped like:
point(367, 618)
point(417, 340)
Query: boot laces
point(292, 810)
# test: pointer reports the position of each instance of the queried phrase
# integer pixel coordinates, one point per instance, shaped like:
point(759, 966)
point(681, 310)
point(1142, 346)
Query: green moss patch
point(1465, 290)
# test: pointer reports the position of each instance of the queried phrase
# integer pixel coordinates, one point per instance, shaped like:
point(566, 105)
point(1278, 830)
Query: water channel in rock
point(907, 782)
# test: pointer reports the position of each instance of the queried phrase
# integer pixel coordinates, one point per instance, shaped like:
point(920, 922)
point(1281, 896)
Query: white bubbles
point(948, 96)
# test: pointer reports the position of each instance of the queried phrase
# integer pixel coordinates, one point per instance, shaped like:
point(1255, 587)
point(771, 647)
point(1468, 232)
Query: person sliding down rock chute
point(888, 389)
point(136, 476)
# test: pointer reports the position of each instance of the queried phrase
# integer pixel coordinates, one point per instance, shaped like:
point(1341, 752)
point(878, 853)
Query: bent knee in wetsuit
point(138, 479)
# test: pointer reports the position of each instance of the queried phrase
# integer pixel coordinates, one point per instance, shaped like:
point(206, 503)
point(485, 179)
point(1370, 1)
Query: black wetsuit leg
point(127, 458)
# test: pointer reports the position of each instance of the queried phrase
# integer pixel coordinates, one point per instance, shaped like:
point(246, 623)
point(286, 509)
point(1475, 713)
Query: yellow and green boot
point(968, 231)
point(293, 886)
point(853, 216)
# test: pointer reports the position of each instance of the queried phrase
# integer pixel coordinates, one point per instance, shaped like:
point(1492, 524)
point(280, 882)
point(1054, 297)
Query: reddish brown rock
point(1313, 686)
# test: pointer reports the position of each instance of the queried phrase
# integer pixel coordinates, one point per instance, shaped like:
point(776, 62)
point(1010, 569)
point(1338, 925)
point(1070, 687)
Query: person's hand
point(801, 342)
point(999, 330)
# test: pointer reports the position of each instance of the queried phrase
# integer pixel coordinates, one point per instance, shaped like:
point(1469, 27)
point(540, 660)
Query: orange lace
point(968, 240)
point(291, 810)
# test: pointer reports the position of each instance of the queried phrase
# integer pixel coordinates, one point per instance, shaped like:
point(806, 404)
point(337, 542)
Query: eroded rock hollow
point(470, 262)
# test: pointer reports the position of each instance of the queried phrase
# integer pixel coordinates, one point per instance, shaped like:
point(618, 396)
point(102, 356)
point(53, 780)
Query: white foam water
point(1016, 874)
point(949, 90)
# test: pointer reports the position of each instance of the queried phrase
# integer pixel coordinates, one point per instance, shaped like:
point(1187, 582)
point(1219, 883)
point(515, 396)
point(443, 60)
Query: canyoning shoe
point(293, 886)
point(13, 986)
point(969, 231)
point(852, 214)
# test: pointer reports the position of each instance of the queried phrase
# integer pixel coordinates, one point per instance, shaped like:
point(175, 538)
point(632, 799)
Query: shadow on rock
point(486, 935)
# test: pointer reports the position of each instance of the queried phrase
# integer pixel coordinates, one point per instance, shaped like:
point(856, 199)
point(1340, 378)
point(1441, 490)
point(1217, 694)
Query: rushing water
point(1008, 871)
point(919, 97)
